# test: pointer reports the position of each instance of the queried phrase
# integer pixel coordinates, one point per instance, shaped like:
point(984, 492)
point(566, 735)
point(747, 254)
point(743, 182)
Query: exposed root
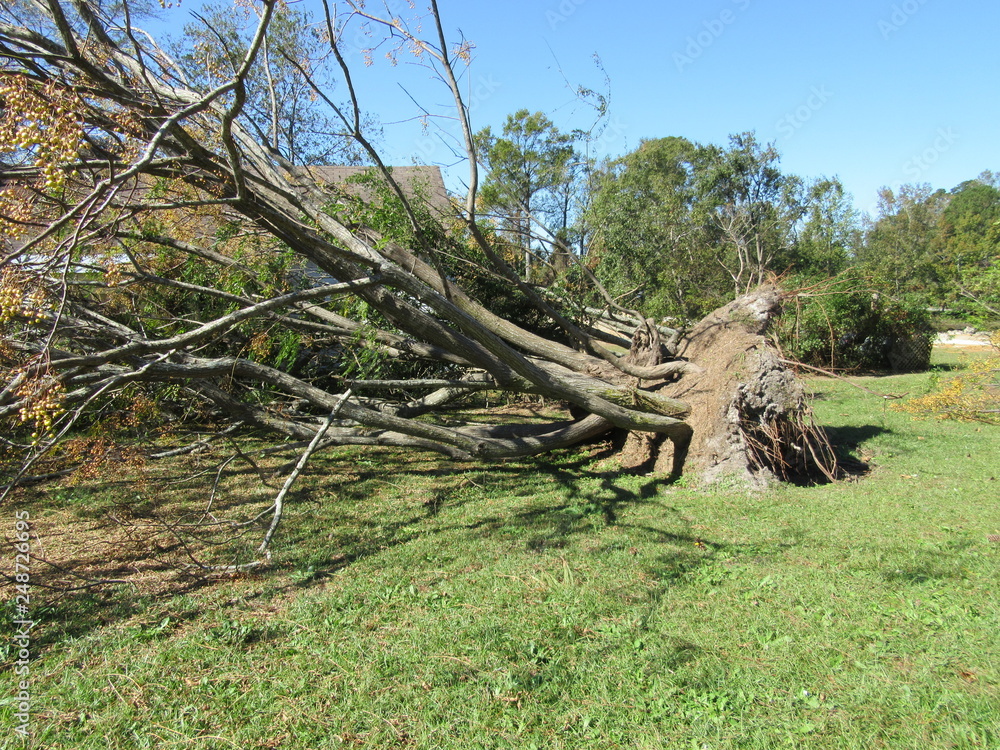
point(749, 413)
point(793, 449)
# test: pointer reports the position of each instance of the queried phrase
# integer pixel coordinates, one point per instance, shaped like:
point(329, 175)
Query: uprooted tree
point(165, 243)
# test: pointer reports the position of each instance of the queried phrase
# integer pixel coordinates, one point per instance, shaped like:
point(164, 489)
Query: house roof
point(421, 183)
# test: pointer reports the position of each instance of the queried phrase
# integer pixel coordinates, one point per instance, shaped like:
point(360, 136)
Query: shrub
point(973, 396)
point(856, 329)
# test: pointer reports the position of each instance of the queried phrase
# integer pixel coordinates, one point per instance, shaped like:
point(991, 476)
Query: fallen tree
point(154, 226)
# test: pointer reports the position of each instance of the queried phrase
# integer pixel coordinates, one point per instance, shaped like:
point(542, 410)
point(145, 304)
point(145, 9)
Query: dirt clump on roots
point(750, 418)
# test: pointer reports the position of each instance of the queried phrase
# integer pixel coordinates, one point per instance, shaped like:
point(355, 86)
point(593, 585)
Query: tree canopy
point(654, 245)
point(528, 185)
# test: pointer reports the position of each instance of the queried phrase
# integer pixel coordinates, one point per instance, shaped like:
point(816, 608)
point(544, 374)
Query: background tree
point(900, 247)
point(755, 207)
point(830, 235)
point(687, 224)
point(527, 187)
point(652, 244)
point(969, 242)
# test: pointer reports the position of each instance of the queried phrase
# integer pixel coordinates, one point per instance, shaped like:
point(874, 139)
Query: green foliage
point(286, 345)
point(970, 246)
point(527, 166)
point(449, 249)
point(365, 358)
point(940, 247)
point(830, 234)
point(678, 227)
point(528, 189)
point(372, 202)
point(653, 244)
point(900, 248)
point(851, 328)
point(754, 206)
point(176, 292)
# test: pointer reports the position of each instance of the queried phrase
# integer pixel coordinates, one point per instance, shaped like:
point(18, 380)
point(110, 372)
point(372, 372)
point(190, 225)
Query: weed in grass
point(153, 631)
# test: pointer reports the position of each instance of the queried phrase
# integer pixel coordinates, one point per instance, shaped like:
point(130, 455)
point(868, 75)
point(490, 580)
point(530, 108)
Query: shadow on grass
point(350, 510)
point(586, 493)
point(573, 500)
point(915, 575)
point(847, 440)
point(62, 615)
point(924, 566)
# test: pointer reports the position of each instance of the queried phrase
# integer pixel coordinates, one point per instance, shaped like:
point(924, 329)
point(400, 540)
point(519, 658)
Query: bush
point(972, 396)
point(855, 329)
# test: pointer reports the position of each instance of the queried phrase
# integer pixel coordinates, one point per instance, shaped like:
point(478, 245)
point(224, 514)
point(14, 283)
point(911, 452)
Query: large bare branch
point(180, 252)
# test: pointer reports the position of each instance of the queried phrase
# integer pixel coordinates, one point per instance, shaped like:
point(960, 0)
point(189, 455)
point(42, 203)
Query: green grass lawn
point(556, 603)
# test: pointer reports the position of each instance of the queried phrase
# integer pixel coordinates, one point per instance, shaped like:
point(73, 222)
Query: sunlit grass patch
point(555, 603)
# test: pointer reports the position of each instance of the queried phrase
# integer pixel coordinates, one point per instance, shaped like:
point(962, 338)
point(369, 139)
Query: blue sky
point(876, 92)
